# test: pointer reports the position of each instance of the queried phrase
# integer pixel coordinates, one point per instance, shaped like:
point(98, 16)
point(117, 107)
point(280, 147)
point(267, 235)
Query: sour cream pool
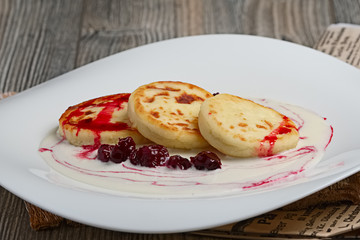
point(236, 174)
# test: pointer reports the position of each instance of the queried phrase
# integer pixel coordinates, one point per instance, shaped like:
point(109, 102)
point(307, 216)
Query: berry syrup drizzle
point(285, 127)
point(102, 122)
point(235, 174)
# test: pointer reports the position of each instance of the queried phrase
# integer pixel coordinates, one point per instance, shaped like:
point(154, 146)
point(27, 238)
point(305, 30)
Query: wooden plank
point(13, 216)
point(347, 11)
point(297, 21)
point(38, 41)
point(111, 27)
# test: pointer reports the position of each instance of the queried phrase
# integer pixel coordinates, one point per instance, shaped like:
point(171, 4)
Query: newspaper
point(319, 222)
point(337, 221)
point(343, 42)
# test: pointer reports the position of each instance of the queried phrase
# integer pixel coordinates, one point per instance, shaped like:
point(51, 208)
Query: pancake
point(166, 112)
point(98, 121)
point(242, 128)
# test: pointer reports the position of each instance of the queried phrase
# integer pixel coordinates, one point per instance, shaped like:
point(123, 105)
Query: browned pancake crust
point(166, 112)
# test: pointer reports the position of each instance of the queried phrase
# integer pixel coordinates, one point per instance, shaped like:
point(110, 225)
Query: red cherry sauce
point(101, 123)
point(295, 154)
point(331, 136)
point(273, 179)
point(45, 150)
point(285, 127)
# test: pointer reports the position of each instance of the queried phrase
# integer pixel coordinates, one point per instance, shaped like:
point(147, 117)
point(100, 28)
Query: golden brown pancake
point(242, 128)
point(167, 113)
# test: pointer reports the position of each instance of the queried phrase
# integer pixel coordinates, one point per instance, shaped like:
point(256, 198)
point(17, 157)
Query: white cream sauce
point(236, 175)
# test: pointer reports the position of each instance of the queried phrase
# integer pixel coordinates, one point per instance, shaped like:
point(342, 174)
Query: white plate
point(248, 66)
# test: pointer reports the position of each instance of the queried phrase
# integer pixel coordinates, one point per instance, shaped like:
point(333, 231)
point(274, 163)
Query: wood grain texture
point(297, 21)
point(111, 27)
point(42, 39)
point(347, 11)
point(38, 41)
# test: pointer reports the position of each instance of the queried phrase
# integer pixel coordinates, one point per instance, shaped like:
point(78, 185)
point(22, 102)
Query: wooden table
point(40, 40)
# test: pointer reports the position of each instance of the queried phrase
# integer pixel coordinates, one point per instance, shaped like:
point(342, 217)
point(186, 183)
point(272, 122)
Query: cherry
point(122, 150)
point(206, 160)
point(155, 155)
point(104, 152)
point(177, 161)
point(133, 158)
point(150, 156)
